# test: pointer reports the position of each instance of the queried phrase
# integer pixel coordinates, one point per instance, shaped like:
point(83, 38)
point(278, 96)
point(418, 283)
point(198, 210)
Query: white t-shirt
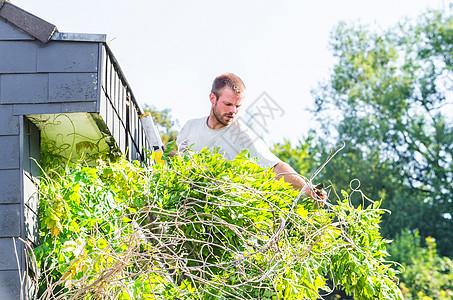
point(230, 139)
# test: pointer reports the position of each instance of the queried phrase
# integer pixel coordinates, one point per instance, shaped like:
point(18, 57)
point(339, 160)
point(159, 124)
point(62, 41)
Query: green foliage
point(405, 247)
point(81, 213)
point(54, 157)
point(297, 156)
point(424, 274)
point(389, 91)
point(202, 227)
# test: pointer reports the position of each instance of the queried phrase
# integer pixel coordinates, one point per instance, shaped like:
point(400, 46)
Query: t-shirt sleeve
point(265, 157)
point(255, 145)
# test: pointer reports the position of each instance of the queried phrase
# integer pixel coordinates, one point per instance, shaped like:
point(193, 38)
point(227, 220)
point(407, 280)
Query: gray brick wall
point(10, 220)
point(8, 259)
point(9, 284)
point(68, 57)
point(18, 56)
point(9, 187)
point(57, 72)
point(24, 88)
point(9, 123)
point(72, 87)
point(9, 152)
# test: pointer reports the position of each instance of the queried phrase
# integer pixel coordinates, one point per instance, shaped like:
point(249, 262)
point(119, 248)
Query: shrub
point(424, 275)
point(201, 227)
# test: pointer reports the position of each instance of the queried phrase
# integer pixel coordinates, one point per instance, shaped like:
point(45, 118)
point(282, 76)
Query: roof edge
point(31, 24)
point(79, 37)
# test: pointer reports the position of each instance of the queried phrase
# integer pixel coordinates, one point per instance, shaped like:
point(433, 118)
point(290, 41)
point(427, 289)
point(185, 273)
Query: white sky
point(170, 51)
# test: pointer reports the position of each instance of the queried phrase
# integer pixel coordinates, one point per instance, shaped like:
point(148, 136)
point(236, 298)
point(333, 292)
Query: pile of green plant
point(201, 227)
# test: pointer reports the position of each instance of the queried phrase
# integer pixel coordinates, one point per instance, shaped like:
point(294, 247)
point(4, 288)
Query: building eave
point(79, 37)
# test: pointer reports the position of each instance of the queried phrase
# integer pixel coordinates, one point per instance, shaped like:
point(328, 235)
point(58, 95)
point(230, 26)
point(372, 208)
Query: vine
point(201, 227)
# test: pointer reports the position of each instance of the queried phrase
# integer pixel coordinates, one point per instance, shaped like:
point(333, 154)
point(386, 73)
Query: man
point(221, 129)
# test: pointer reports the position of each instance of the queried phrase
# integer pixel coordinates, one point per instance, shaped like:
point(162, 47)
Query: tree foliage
point(390, 92)
point(296, 156)
point(423, 272)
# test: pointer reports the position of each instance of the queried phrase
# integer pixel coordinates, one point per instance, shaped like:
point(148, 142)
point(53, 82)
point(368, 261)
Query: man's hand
point(317, 193)
point(171, 153)
point(298, 182)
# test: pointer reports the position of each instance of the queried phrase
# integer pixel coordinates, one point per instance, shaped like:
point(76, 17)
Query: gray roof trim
point(29, 23)
point(79, 37)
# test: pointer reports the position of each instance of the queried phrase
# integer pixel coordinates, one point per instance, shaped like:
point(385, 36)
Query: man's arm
point(284, 170)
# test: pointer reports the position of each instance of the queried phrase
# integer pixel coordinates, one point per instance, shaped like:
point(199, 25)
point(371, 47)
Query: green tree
point(296, 156)
point(389, 91)
point(164, 123)
point(423, 272)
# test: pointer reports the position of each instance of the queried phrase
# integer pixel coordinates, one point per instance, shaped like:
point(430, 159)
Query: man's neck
point(213, 123)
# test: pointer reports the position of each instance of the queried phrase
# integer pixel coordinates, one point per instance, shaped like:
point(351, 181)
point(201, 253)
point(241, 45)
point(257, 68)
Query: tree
point(296, 157)
point(423, 273)
point(389, 89)
point(164, 123)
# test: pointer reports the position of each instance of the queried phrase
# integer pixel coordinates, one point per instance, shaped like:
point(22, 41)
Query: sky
point(171, 51)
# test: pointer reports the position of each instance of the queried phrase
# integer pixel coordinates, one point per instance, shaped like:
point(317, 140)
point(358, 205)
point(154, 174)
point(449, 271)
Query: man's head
point(226, 97)
point(227, 80)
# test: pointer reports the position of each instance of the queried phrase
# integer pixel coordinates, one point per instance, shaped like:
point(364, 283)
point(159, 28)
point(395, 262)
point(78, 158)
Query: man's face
point(226, 106)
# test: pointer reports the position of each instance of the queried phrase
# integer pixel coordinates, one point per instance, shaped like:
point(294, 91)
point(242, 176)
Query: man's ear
point(213, 98)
